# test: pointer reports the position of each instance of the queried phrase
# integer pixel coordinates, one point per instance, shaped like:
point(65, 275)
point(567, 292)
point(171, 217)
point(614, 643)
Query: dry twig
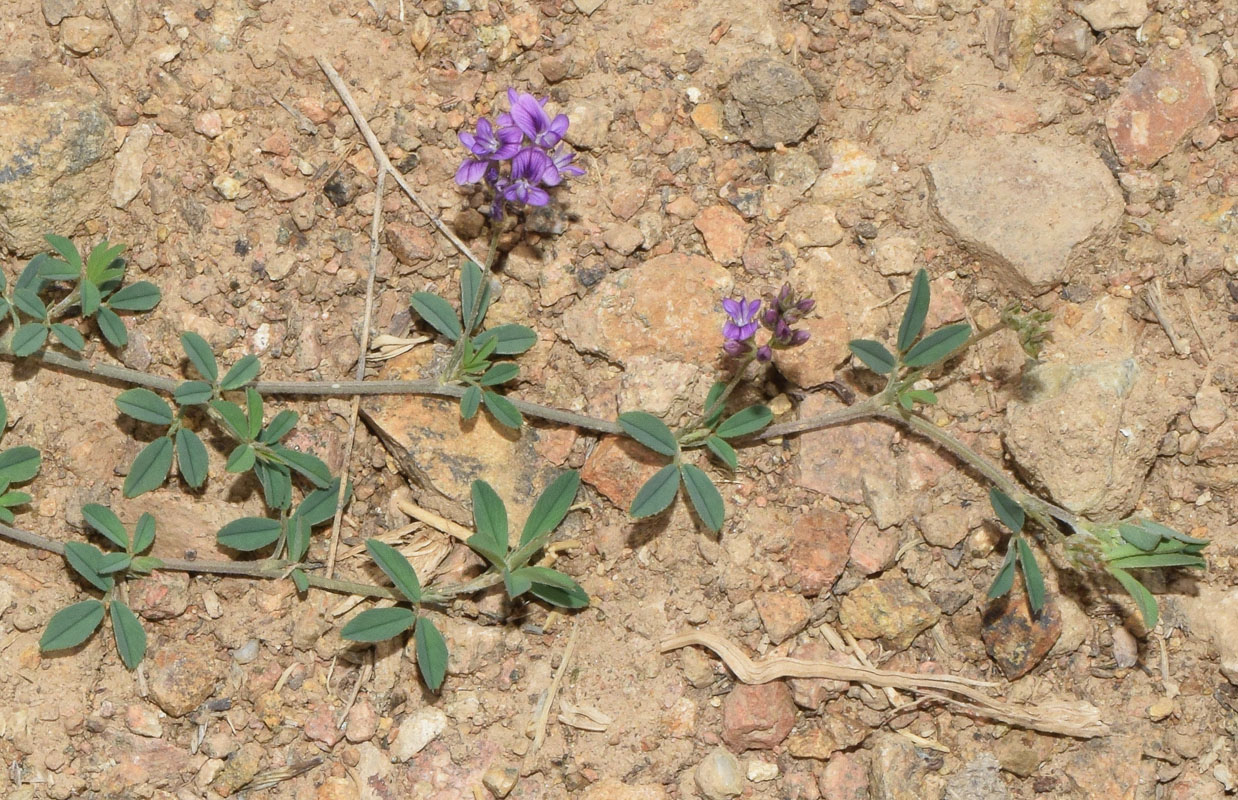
point(1079, 719)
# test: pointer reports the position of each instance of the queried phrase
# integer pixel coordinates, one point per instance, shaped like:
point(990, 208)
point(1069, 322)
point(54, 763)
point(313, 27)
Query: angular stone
point(54, 143)
point(1221, 445)
point(889, 609)
point(810, 693)
point(771, 103)
point(182, 675)
point(813, 225)
point(945, 526)
point(320, 725)
point(123, 764)
point(851, 171)
point(835, 460)
point(1211, 409)
point(623, 238)
point(1171, 94)
point(821, 739)
point(161, 595)
point(445, 454)
point(817, 551)
point(980, 777)
point(845, 777)
point(873, 549)
point(130, 159)
point(649, 310)
point(84, 35)
point(144, 721)
point(719, 776)
point(814, 362)
point(1033, 211)
point(783, 614)
point(1021, 752)
point(1106, 15)
point(896, 772)
point(1215, 614)
point(1016, 639)
point(725, 233)
point(757, 717)
point(361, 723)
point(416, 731)
point(1088, 433)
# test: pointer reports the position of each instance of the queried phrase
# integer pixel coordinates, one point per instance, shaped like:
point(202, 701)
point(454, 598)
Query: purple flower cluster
point(744, 317)
point(529, 142)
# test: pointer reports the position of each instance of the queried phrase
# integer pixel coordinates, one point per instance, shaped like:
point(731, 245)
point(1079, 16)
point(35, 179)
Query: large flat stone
point(670, 307)
point(55, 142)
point(1033, 211)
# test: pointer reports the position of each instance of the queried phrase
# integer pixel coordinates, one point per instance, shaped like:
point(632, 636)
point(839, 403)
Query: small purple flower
point(741, 323)
point(562, 160)
point(487, 146)
point(529, 116)
point(530, 168)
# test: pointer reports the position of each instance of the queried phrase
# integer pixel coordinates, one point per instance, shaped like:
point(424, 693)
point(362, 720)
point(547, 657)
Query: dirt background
point(1015, 150)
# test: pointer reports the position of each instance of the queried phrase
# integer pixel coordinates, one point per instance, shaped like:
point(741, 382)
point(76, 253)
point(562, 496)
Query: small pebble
point(718, 776)
point(246, 653)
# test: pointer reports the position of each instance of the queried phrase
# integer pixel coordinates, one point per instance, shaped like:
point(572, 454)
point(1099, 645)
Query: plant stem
point(269, 569)
point(457, 352)
point(1041, 510)
point(720, 400)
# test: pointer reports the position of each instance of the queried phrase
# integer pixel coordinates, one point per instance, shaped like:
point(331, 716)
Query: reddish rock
point(320, 726)
point(182, 675)
point(817, 552)
point(725, 233)
point(1229, 109)
point(783, 614)
point(757, 717)
point(873, 550)
point(1165, 99)
point(1015, 639)
point(362, 722)
point(834, 461)
point(618, 467)
point(845, 777)
point(163, 595)
point(409, 244)
point(669, 307)
point(813, 363)
point(810, 693)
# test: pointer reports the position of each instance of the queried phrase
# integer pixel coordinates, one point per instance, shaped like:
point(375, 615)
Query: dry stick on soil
point(375, 227)
point(544, 715)
point(1079, 719)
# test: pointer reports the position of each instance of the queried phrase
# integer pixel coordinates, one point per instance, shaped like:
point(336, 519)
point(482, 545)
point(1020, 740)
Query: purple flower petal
point(731, 307)
point(471, 171)
point(468, 140)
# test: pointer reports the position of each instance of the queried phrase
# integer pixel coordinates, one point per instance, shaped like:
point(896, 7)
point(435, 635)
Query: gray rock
point(1033, 211)
point(794, 169)
point(719, 776)
point(54, 146)
point(771, 103)
point(1088, 433)
point(980, 777)
point(1106, 15)
point(56, 10)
